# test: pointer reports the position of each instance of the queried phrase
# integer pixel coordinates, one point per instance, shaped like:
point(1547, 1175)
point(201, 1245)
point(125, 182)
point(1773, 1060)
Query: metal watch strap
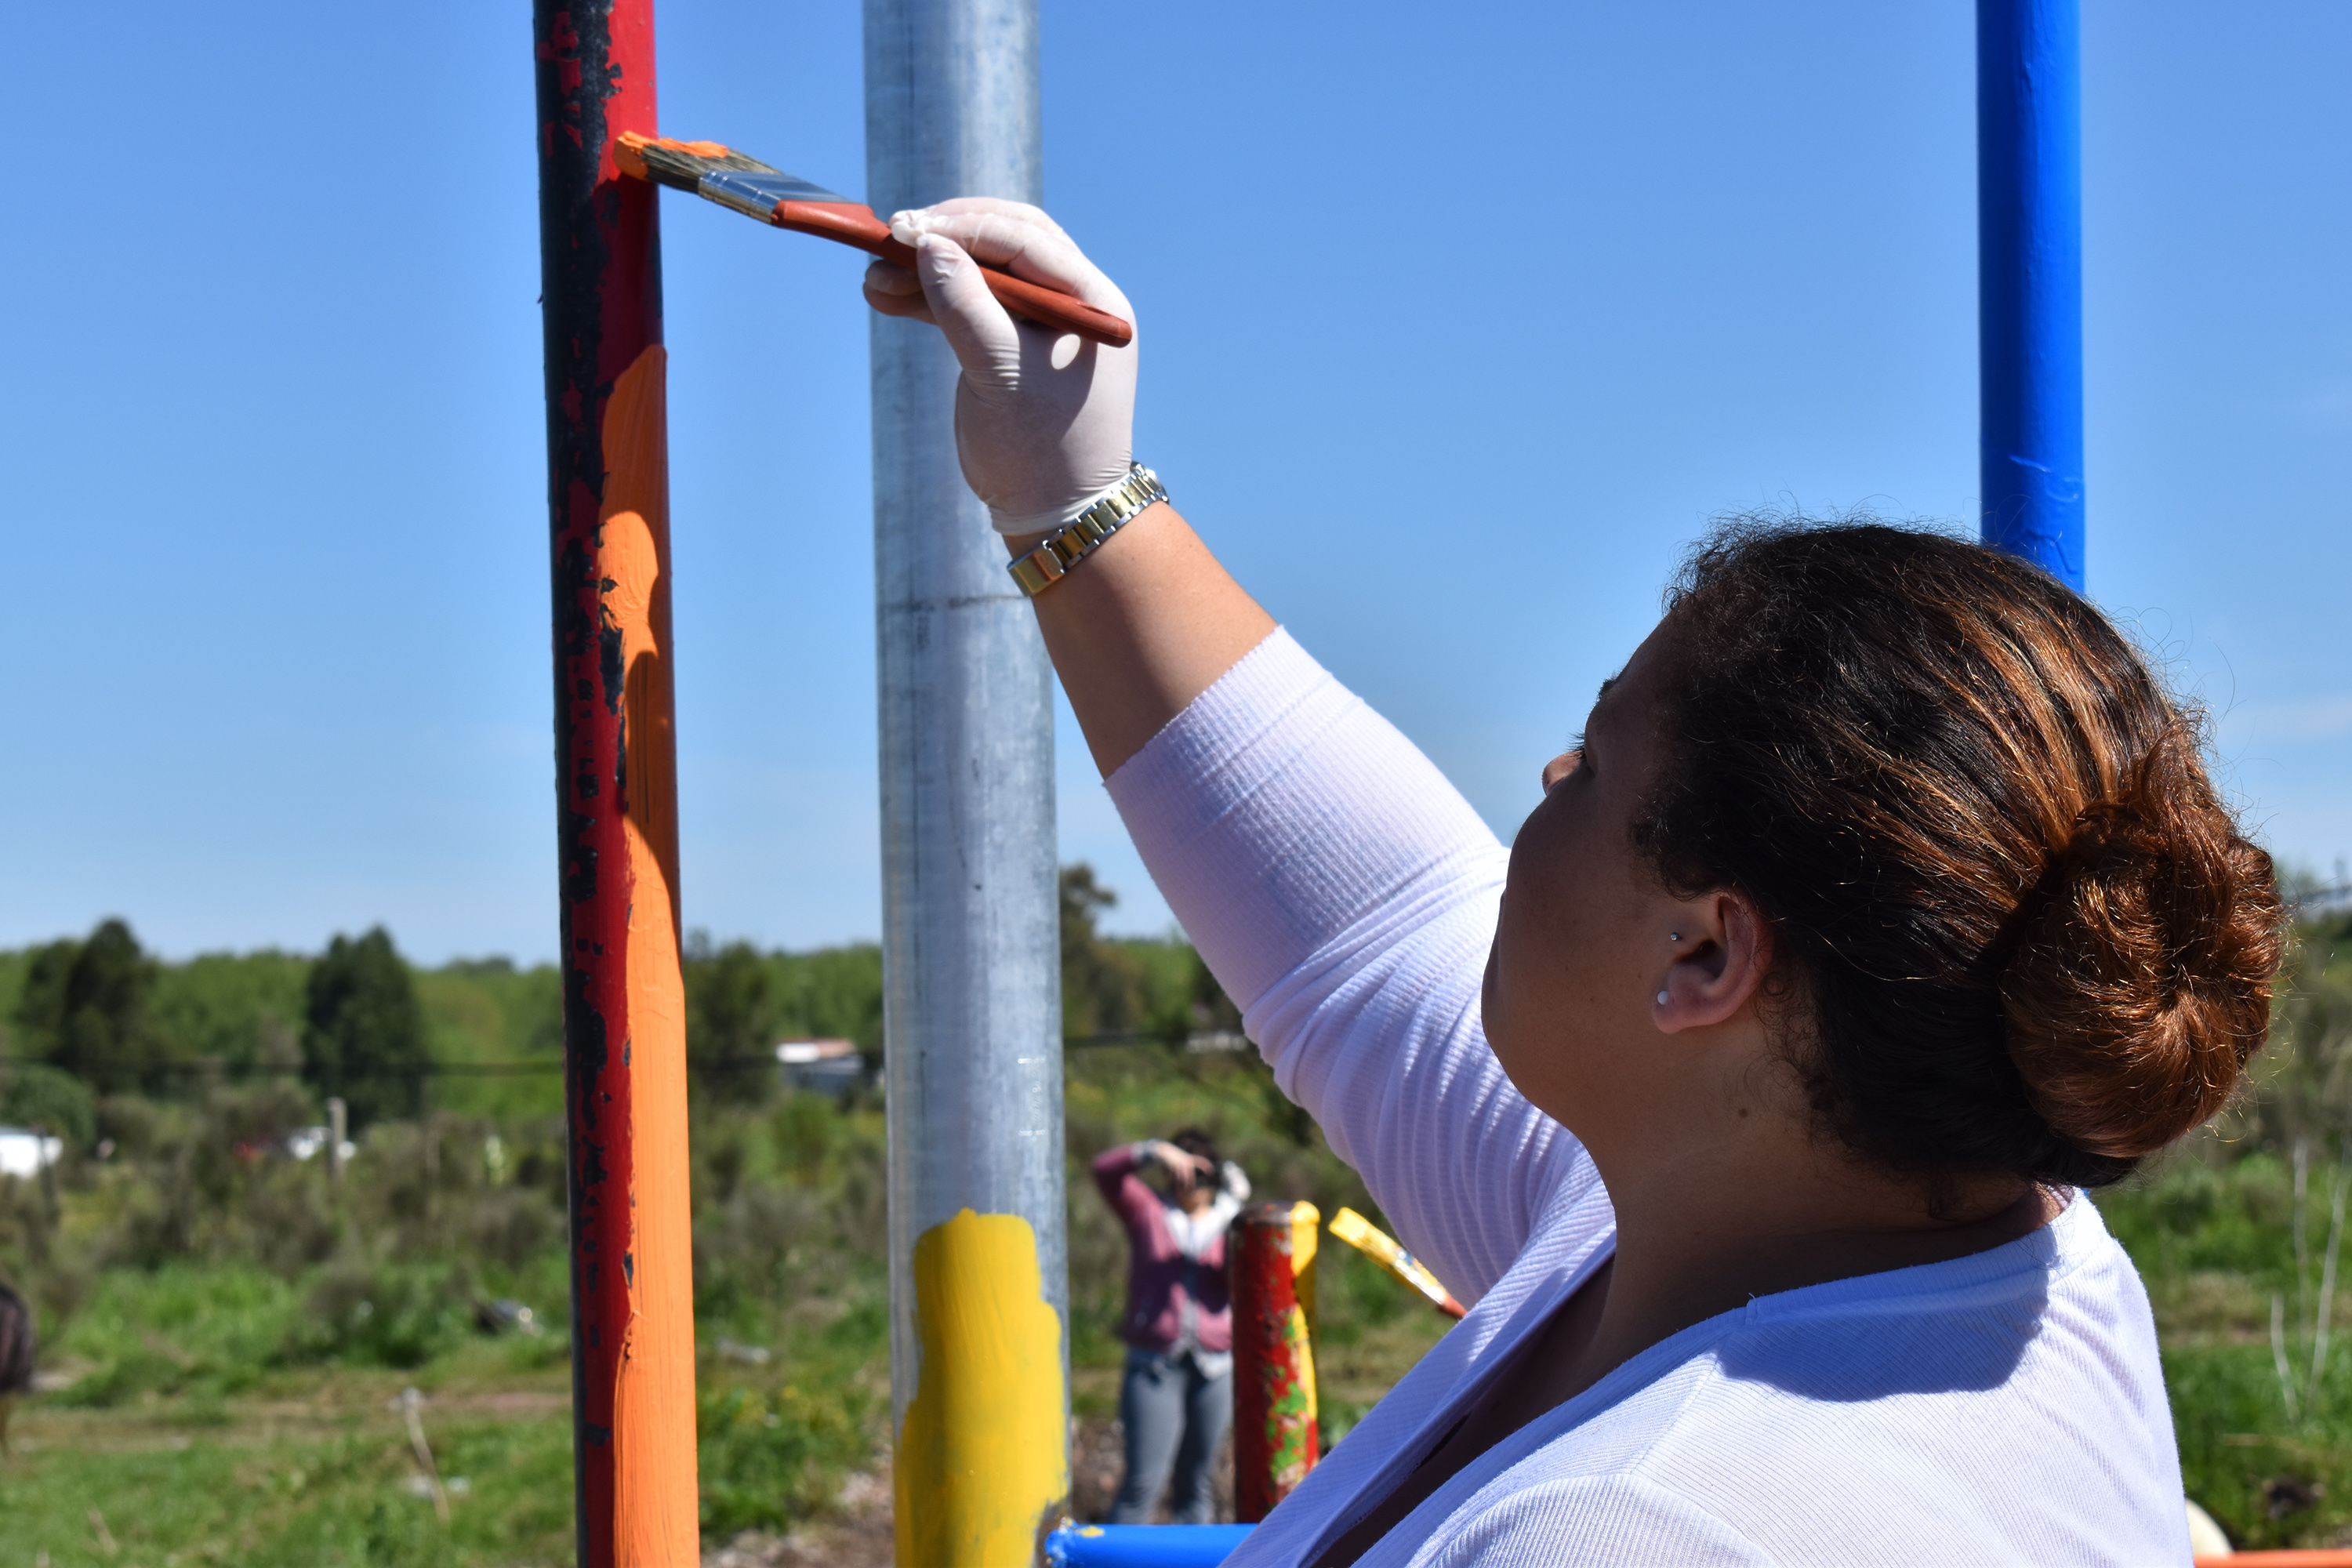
point(1084, 534)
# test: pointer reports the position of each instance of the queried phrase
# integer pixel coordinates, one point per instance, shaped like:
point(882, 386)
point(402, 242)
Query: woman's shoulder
point(2060, 1306)
point(2043, 1327)
point(1852, 1421)
point(1574, 1521)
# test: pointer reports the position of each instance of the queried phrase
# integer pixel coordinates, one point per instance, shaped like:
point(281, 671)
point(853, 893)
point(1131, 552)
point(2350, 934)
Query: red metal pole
point(624, 1013)
point(1275, 1438)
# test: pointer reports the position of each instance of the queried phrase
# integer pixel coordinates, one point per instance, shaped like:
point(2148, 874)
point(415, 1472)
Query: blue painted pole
point(2029, 280)
point(1144, 1545)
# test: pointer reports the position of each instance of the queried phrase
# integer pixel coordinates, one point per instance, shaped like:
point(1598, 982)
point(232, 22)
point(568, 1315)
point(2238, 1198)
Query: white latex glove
point(1045, 422)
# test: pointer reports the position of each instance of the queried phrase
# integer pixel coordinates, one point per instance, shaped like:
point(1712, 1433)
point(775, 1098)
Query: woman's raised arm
point(1150, 620)
point(1341, 891)
point(1142, 627)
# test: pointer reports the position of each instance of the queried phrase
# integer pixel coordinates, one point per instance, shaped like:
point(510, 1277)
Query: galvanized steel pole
point(2029, 279)
point(616, 795)
point(979, 1276)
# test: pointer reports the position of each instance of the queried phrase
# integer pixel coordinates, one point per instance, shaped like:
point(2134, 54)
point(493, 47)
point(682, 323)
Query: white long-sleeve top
point(2006, 1407)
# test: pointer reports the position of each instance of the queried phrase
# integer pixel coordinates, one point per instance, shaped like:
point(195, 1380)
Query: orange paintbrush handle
point(1051, 306)
point(852, 224)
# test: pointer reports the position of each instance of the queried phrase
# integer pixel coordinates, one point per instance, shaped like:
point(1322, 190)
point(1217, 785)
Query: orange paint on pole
point(616, 818)
point(655, 1511)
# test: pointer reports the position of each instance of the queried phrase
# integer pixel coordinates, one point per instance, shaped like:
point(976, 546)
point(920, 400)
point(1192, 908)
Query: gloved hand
point(1045, 422)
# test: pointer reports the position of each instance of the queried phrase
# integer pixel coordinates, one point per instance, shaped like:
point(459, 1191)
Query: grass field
point(2216, 1245)
point(227, 1340)
point(238, 1402)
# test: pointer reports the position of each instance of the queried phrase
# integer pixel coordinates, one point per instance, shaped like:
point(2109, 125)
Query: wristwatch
point(1084, 534)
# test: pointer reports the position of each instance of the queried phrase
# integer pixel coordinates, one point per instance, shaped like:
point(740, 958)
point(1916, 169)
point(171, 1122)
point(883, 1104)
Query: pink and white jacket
point(1177, 1298)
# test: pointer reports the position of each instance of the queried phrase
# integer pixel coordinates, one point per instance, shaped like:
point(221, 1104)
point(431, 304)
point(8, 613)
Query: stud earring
point(1662, 998)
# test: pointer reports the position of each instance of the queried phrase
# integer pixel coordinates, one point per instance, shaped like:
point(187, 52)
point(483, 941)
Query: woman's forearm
point(1045, 425)
point(1141, 626)
point(1115, 1178)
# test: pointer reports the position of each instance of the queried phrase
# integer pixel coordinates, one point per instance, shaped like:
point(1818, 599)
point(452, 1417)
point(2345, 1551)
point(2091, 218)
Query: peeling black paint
point(579, 873)
point(573, 625)
point(621, 766)
point(609, 639)
point(575, 77)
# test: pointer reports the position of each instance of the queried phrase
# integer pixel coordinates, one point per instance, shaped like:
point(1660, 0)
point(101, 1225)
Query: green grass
point(335, 1494)
point(214, 1421)
point(231, 1395)
point(235, 1330)
point(2215, 1245)
point(208, 1330)
point(233, 1327)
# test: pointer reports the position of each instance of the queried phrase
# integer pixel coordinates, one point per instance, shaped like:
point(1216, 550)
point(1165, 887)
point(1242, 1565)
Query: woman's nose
point(1560, 767)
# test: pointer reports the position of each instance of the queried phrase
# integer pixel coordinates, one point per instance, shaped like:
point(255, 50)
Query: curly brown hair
point(2016, 929)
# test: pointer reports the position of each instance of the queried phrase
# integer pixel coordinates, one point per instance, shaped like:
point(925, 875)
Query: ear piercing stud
point(1662, 998)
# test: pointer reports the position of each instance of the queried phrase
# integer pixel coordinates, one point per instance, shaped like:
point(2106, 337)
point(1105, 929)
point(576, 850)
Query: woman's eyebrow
point(1598, 697)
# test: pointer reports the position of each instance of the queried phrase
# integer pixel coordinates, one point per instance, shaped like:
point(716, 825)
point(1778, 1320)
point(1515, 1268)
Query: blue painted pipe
point(1143, 1545)
point(2029, 279)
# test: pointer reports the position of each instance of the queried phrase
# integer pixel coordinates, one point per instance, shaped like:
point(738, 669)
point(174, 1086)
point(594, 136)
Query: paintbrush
point(1382, 1247)
point(721, 174)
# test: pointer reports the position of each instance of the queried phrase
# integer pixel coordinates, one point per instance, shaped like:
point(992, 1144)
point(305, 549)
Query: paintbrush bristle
point(679, 165)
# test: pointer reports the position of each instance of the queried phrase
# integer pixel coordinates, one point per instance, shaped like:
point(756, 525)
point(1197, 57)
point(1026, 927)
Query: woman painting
point(1176, 1397)
point(1882, 909)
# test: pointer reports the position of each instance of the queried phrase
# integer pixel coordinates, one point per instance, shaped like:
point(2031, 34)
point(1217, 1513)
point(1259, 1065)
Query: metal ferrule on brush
point(756, 195)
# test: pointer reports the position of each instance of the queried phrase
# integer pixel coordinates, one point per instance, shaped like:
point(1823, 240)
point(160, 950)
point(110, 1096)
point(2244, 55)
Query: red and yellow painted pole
point(616, 811)
point(1275, 1438)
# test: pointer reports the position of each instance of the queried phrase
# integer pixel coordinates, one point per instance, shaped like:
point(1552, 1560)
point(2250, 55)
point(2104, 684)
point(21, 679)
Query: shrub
point(398, 1316)
point(46, 1098)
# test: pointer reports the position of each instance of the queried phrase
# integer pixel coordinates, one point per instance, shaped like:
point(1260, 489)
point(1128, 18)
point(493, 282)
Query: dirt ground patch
point(857, 1535)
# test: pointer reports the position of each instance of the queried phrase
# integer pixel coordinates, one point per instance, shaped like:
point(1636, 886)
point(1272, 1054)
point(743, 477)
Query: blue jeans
point(1173, 1417)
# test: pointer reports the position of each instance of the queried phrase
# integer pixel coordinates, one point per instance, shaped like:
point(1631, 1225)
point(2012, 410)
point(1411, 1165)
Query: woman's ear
point(1722, 951)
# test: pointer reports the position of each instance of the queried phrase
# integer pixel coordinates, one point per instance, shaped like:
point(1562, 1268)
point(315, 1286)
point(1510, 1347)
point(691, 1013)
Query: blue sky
point(1542, 286)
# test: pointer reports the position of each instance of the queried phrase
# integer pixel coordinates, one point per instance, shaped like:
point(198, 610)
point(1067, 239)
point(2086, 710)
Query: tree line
point(87, 1024)
point(101, 1016)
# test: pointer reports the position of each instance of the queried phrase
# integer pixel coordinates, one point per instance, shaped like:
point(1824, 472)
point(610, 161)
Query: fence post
point(1275, 1438)
point(616, 796)
point(2029, 280)
point(971, 949)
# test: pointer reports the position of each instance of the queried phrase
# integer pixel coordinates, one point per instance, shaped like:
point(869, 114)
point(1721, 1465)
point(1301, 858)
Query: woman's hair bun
point(2016, 929)
point(2137, 983)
